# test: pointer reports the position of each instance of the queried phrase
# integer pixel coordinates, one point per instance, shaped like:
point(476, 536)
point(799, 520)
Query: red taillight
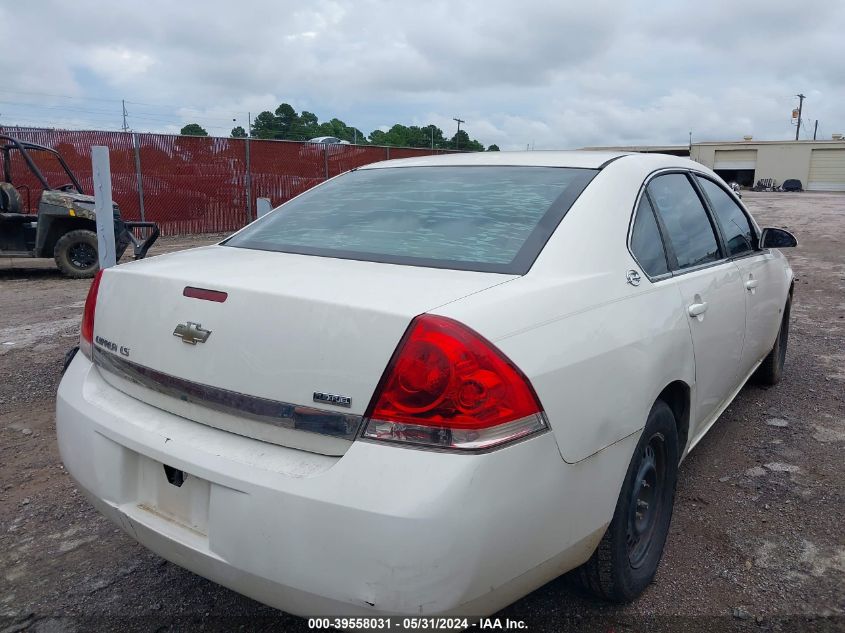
point(86, 334)
point(448, 386)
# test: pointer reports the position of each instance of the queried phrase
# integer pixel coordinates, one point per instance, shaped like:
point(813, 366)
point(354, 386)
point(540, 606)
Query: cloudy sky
point(545, 74)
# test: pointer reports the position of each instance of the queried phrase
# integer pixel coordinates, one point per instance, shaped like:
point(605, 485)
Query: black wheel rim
point(646, 502)
point(82, 255)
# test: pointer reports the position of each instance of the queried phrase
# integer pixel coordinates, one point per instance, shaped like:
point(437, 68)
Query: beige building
point(819, 165)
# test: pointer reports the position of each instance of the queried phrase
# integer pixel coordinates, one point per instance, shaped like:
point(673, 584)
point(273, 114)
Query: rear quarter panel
point(597, 350)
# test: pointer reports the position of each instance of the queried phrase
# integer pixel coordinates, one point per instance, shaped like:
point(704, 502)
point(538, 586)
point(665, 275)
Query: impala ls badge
point(332, 398)
point(633, 278)
point(191, 333)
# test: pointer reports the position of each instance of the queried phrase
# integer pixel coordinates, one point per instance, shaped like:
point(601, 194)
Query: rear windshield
point(490, 219)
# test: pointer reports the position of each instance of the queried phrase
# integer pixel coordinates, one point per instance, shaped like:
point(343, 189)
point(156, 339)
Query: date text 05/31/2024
point(413, 624)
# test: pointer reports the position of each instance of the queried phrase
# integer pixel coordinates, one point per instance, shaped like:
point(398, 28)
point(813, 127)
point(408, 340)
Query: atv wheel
point(76, 254)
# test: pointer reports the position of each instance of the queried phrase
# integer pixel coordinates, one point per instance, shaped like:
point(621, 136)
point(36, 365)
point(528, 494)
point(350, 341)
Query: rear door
point(764, 290)
point(711, 290)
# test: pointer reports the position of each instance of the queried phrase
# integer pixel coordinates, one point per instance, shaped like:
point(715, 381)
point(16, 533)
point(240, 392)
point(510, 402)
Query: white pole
point(263, 206)
point(103, 206)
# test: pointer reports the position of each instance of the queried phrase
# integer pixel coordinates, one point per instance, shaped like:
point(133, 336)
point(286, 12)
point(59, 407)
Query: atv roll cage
point(10, 144)
point(24, 147)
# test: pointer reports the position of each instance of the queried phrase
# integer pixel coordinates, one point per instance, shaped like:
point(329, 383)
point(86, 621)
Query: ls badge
point(191, 333)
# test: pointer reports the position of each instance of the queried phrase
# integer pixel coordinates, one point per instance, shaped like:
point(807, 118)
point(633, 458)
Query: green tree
point(193, 129)
point(286, 119)
point(493, 148)
point(303, 126)
point(286, 123)
point(238, 132)
point(462, 141)
point(336, 127)
point(413, 136)
point(433, 132)
point(264, 126)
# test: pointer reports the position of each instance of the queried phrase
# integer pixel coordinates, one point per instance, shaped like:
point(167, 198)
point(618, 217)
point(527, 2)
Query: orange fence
point(190, 184)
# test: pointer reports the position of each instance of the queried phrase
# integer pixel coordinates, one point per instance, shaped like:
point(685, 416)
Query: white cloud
point(118, 65)
point(555, 75)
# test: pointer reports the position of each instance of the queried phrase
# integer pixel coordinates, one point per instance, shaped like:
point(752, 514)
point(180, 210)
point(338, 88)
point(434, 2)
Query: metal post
point(800, 108)
point(125, 126)
point(816, 129)
point(248, 184)
point(103, 206)
point(326, 159)
point(138, 176)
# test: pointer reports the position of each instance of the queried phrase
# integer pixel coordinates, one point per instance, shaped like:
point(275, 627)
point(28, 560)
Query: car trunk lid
point(291, 356)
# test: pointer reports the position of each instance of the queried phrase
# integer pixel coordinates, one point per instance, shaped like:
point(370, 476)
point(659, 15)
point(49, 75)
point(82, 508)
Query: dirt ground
point(757, 540)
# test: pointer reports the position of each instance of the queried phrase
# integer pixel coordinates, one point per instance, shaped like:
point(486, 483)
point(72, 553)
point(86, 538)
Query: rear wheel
point(626, 560)
point(76, 254)
point(770, 371)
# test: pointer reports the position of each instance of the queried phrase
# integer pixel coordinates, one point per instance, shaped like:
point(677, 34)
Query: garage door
point(735, 159)
point(827, 170)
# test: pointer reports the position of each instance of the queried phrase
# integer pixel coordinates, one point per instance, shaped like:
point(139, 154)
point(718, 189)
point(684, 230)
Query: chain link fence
point(191, 184)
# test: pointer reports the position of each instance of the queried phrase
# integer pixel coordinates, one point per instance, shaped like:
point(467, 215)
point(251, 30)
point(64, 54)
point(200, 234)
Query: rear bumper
point(380, 530)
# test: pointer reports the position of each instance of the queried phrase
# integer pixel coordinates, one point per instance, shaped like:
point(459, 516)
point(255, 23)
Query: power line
point(56, 96)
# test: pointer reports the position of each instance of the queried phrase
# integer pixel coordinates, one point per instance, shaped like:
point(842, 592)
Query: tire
point(76, 254)
point(770, 370)
point(10, 199)
point(626, 559)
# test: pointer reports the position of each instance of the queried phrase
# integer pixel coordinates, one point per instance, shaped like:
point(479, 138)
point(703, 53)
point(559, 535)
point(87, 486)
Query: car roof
point(576, 158)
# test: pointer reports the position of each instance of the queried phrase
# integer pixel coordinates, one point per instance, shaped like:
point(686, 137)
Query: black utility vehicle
point(62, 224)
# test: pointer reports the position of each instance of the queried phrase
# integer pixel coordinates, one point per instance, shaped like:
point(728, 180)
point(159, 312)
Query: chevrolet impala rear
point(386, 396)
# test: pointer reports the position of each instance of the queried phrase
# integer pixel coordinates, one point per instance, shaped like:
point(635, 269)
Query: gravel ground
point(757, 541)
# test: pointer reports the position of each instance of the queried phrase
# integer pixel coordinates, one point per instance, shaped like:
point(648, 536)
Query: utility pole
point(800, 107)
point(432, 135)
point(816, 130)
point(248, 168)
point(457, 136)
point(125, 127)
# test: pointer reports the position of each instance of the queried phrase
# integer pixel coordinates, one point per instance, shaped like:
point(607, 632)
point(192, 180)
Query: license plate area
point(185, 504)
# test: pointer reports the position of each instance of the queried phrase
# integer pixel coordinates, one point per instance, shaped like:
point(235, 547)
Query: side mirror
point(777, 238)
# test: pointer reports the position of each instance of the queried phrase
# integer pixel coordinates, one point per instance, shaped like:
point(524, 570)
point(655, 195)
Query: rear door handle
point(751, 284)
point(697, 309)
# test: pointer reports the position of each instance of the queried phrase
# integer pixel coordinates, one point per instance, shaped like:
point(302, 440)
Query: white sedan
point(428, 386)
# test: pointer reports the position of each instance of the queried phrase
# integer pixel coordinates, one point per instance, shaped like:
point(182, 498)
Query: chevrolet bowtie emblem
point(191, 333)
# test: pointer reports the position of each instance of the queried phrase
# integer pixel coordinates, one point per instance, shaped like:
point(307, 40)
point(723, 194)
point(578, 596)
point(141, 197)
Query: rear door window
point(646, 243)
point(687, 224)
point(740, 237)
point(484, 218)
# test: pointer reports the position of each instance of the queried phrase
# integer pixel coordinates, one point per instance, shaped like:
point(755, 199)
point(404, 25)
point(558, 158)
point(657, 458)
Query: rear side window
point(687, 225)
point(485, 218)
point(739, 236)
point(646, 244)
